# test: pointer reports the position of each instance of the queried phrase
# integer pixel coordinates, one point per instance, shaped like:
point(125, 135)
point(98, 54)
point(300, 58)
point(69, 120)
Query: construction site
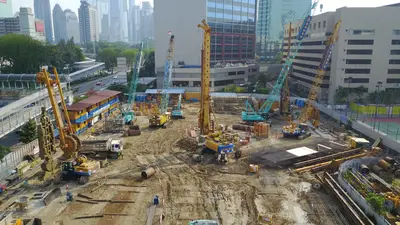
point(218, 160)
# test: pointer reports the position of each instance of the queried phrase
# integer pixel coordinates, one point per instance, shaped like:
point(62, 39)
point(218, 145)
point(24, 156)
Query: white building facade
point(366, 52)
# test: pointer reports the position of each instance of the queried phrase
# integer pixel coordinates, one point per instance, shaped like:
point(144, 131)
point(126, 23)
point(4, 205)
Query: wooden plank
point(150, 214)
point(89, 216)
point(84, 196)
point(85, 201)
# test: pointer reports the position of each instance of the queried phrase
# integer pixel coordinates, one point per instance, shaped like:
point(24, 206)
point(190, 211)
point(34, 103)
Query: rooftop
point(168, 91)
point(94, 99)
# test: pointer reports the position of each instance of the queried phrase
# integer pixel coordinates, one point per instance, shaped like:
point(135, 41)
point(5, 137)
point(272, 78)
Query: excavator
point(72, 166)
point(161, 117)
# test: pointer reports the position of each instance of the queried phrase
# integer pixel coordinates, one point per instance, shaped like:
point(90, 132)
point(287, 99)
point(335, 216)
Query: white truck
point(102, 148)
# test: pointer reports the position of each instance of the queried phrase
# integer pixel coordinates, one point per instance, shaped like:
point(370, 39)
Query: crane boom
point(135, 76)
point(260, 115)
point(204, 117)
point(127, 109)
point(169, 63)
point(312, 96)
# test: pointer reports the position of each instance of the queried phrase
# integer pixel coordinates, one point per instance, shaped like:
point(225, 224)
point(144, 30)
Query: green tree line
point(23, 54)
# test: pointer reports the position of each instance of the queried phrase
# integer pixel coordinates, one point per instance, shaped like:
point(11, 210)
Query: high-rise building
point(146, 21)
point(105, 27)
point(271, 16)
point(59, 22)
point(366, 52)
point(9, 25)
point(6, 8)
point(88, 23)
point(42, 12)
point(30, 26)
point(72, 26)
point(232, 41)
point(134, 24)
point(116, 17)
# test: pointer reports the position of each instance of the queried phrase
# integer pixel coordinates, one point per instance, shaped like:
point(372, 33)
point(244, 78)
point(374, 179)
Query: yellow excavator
point(72, 165)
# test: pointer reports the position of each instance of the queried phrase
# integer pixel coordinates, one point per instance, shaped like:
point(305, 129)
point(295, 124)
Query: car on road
point(99, 83)
point(115, 77)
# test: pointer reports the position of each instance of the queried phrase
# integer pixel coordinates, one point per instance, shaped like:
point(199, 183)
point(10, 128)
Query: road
point(85, 87)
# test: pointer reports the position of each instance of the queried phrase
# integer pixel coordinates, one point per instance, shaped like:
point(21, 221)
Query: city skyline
point(65, 4)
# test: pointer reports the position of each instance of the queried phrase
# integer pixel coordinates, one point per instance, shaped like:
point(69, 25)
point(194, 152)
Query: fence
point(11, 160)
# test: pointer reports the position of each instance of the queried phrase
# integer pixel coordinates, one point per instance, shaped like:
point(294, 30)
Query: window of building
point(254, 70)
point(359, 51)
point(308, 58)
point(308, 73)
point(362, 32)
point(231, 73)
point(395, 52)
point(357, 80)
point(396, 32)
point(357, 61)
point(393, 80)
point(357, 71)
point(324, 25)
point(360, 42)
point(319, 24)
point(395, 42)
point(393, 71)
point(315, 51)
point(223, 82)
point(308, 81)
point(310, 43)
point(394, 61)
point(240, 72)
point(314, 26)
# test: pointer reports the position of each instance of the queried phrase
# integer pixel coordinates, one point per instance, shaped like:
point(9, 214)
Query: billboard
point(39, 25)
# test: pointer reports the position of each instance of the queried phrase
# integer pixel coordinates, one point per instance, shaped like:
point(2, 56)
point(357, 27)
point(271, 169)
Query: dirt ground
point(188, 190)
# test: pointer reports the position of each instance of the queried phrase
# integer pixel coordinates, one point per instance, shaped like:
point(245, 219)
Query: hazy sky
point(329, 5)
point(65, 4)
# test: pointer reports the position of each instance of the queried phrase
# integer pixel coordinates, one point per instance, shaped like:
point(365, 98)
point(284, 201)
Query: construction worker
point(120, 155)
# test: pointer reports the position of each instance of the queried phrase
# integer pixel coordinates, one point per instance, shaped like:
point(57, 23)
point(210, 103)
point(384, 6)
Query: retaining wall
point(11, 160)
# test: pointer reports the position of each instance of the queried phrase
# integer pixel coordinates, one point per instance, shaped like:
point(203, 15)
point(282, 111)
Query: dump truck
point(101, 148)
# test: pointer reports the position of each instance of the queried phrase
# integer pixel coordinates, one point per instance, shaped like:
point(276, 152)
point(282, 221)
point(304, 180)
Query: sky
point(65, 4)
point(329, 5)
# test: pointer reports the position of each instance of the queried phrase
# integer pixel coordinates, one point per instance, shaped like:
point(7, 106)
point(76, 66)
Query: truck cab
point(117, 146)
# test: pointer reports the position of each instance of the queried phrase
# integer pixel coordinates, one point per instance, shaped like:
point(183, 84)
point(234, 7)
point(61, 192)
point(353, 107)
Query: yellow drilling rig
point(72, 165)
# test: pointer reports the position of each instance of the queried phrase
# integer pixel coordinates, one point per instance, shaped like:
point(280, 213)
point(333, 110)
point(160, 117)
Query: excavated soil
point(188, 190)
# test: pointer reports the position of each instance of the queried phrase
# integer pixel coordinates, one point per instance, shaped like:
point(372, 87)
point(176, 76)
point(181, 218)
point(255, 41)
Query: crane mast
point(250, 114)
point(312, 96)
point(204, 116)
point(169, 63)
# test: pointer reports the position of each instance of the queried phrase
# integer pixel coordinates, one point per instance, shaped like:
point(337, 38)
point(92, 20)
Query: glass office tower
point(233, 24)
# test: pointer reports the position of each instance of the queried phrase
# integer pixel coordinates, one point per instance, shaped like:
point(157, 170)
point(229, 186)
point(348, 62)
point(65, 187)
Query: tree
point(22, 54)
point(28, 131)
point(148, 69)
point(262, 79)
point(109, 57)
point(262, 91)
point(130, 55)
point(341, 95)
point(233, 88)
point(4, 151)
point(278, 58)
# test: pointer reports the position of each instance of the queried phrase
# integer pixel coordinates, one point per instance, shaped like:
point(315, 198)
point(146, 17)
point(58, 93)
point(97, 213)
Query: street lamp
point(349, 81)
point(378, 85)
